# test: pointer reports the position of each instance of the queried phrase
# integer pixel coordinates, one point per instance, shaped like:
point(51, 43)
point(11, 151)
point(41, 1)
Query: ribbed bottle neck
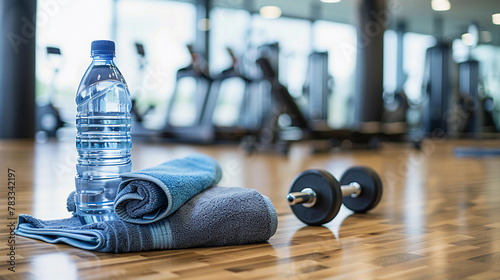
point(101, 57)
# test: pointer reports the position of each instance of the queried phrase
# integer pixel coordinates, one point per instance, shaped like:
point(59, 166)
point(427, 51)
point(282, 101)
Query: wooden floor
point(439, 217)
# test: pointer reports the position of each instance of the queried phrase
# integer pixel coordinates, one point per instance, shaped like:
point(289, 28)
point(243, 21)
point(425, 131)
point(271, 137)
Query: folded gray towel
point(218, 216)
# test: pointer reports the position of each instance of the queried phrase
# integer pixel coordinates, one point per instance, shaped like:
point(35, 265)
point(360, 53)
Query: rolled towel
point(70, 203)
point(218, 216)
point(151, 194)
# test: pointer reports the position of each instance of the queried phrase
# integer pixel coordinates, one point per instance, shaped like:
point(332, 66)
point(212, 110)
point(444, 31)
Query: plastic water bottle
point(103, 135)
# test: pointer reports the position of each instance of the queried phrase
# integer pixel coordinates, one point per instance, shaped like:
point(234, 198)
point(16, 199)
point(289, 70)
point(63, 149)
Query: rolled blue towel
point(218, 216)
point(151, 194)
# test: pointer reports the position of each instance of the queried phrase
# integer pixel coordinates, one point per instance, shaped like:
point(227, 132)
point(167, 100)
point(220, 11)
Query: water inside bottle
point(103, 143)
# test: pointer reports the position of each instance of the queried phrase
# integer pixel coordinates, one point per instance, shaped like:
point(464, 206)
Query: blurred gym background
point(358, 71)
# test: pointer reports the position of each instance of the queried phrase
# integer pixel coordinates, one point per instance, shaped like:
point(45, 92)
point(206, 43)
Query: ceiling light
point(330, 1)
point(270, 12)
point(468, 39)
point(496, 18)
point(440, 5)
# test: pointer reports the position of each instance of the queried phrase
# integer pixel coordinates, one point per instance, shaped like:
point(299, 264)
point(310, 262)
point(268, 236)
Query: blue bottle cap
point(102, 47)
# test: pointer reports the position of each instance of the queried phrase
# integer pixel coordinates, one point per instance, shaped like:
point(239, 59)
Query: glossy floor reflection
point(438, 217)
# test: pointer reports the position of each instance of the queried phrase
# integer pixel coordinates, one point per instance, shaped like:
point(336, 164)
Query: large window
point(243, 33)
point(415, 47)
point(70, 26)
point(339, 40)
point(414, 50)
point(229, 28)
point(164, 28)
point(297, 38)
point(390, 60)
point(489, 71)
point(293, 37)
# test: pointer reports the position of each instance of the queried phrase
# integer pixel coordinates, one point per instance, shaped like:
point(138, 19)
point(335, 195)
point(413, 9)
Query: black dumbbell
point(316, 196)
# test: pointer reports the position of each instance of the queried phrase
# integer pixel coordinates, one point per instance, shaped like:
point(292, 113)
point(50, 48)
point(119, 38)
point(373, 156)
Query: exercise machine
point(48, 118)
point(184, 120)
point(233, 87)
point(317, 89)
point(288, 124)
point(476, 107)
point(396, 103)
point(209, 123)
point(137, 115)
point(437, 88)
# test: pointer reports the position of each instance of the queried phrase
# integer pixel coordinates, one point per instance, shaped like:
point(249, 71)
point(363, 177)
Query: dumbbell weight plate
point(371, 188)
point(328, 197)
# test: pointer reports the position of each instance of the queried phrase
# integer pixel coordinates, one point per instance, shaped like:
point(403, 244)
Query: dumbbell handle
point(307, 197)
